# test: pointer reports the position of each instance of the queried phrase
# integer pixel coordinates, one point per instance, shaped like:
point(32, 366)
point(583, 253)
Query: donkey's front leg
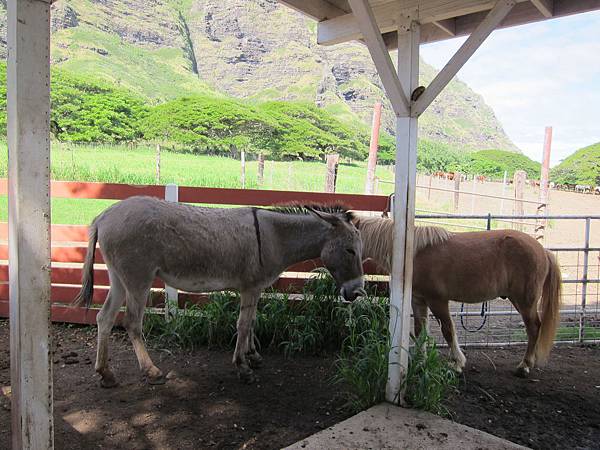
point(249, 301)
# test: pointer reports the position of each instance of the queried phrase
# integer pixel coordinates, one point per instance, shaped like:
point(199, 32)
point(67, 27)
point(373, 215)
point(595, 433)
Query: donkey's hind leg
point(254, 358)
point(136, 304)
point(532, 322)
point(441, 310)
point(249, 301)
point(105, 320)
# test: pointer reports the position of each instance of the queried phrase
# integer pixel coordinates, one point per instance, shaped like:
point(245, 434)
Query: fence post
point(261, 168)
point(171, 294)
point(429, 189)
point(584, 280)
point(372, 162)
point(457, 176)
point(503, 192)
point(542, 210)
point(332, 166)
point(243, 177)
point(157, 163)
point(473, 194)
point(519, 182)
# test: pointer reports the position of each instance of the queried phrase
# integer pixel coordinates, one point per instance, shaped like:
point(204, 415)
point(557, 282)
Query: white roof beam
point(385, 67)
point(447, 25)
point(485, 28)
point(546, 7)
point(346, 28)
point(316, 9)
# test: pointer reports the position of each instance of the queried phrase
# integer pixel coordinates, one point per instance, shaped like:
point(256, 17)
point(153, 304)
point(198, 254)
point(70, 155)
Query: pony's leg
point(254, 358)
point(419, 308)
point(249, 301)
point(106, 319)
point(136, 304)
point(441, 311)
point(532, 322)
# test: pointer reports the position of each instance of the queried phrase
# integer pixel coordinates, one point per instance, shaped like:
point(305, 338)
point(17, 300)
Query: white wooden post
point(473, 194)
point(171, 294)
point(403, 213)
point(28, 102)
point(243, 176)
point(157, 163)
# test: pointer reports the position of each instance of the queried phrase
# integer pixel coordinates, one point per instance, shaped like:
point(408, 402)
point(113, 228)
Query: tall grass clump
point(318, 323)
point(429, 378)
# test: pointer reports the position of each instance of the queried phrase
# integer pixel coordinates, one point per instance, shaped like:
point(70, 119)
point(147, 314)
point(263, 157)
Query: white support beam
point(462, 55)
point(447, 25)
point(381, 57)
point(28, 104)
point(316, 9)
point(546, 7)
point(404, 214)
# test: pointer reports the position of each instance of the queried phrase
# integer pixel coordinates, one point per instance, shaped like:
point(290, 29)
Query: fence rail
point(580, 316)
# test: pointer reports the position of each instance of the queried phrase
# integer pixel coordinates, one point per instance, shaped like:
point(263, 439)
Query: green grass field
point(121, 164)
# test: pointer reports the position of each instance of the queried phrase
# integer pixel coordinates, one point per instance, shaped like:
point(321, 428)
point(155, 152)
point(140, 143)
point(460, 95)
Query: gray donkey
point(208, 249)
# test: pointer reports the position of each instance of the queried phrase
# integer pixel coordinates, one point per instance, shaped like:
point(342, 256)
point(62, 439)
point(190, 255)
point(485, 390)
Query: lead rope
point(485, 305)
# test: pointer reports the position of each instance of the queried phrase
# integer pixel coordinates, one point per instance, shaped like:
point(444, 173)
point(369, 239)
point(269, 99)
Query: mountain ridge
point(256, 50)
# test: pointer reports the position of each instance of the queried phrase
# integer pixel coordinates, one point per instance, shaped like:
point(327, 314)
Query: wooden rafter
point(316, 9)
point(447, 25)
point(485, 28)
point(546, 7)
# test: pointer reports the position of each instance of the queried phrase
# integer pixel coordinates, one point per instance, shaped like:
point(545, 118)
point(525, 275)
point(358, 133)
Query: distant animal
point(210, 249)
point(473, 267)
point(596, 190)
point(583, 188)
point(480, 178)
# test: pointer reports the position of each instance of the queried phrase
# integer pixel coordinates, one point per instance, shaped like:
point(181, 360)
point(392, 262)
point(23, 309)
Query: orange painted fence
point(69, 242)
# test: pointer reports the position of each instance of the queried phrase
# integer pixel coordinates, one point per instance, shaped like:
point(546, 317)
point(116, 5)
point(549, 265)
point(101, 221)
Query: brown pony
point(474, 267)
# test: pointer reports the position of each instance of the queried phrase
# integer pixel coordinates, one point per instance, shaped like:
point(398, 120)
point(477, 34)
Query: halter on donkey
point(474, 267)
point(210, 249)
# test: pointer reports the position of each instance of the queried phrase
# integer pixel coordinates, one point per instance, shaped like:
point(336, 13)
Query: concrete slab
point(390, 427)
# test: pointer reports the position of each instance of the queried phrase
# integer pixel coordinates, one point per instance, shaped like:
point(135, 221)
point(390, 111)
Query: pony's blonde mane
point(378, 238)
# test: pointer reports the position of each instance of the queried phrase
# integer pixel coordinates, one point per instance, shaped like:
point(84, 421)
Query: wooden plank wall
point(69, 242)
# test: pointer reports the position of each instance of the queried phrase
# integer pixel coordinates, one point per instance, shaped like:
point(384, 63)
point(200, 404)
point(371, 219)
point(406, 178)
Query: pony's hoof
point(155, 376)
point(522, 372)
point(255, 360)
point(247, 376)
point(161, 379)
point(108, 382)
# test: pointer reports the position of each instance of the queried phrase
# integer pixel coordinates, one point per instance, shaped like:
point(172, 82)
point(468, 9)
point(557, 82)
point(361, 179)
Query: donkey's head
point(342, 252)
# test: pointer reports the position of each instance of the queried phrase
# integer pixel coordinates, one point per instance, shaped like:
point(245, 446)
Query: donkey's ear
point(331, 219)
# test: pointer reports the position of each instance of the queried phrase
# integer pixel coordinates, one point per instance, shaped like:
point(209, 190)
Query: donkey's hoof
point(247, 376)
point(522, 372)
point(108, 382)
point(255, 360)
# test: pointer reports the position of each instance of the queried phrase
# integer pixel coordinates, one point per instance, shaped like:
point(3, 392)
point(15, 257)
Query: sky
point(537, 75)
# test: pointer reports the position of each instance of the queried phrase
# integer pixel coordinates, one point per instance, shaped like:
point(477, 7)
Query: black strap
point(257, 229)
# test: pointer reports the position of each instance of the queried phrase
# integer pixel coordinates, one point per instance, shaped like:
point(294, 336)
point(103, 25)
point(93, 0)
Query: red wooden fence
point(69, 242)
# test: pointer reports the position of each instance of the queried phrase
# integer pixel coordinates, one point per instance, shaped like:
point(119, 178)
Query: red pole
point(372, 162)
point(545, 166)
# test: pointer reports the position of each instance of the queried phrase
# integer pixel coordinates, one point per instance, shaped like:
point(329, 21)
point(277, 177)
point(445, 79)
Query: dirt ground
point(205, 406)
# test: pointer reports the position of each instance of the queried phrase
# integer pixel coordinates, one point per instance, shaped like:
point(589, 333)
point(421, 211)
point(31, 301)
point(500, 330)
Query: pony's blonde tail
point(550, 310)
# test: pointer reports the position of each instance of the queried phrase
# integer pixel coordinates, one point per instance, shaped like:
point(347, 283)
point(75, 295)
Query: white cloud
point(537, 75)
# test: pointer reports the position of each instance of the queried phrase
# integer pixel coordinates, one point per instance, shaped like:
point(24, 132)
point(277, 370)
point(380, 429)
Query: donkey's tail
point(87, 283)
point(550, 309)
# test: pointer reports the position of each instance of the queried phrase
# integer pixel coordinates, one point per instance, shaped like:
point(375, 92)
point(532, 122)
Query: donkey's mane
point(378, 237)
point(304, 209)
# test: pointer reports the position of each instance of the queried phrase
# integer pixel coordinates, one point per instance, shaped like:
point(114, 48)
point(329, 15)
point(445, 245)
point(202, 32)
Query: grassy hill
point(493, 163)
point(582, 167)
point(248, 49)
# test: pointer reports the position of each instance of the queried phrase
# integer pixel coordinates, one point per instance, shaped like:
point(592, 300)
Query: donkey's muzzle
point(352, 289)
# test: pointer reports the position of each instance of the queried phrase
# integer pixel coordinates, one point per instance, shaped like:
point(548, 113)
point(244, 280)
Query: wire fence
point(497, 323)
